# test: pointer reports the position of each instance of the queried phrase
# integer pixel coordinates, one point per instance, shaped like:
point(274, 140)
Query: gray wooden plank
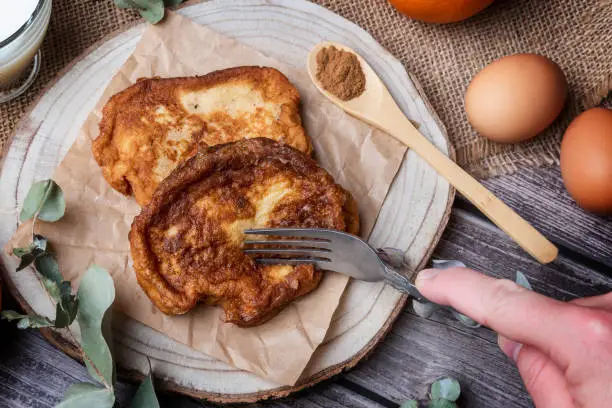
point(326, 395)
point(540, 197)
point(418, 351)
point(33, 373)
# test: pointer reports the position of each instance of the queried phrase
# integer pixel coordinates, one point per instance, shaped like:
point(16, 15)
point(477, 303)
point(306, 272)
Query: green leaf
point(47, 266)
point(34, 199)
point(150, 10)
point(80, 388)
point(521, 279)
point(52, 288)
point(441, 403)
point(28, 257)
point(424, 309)
point(466, 320)
point(410, 404)
point(447, 388)
point(96, 294)
point(155, 11)
point(19, 252)
point(66, 311)
point(145, 395)
point(51, 278)
point(34, 322)
point(26, 321)
point(46, 199)
point(11, 315)
point(87, 395)
point(54, 206)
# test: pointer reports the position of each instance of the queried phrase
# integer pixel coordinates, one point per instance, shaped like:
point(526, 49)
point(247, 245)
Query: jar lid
point(15, 17)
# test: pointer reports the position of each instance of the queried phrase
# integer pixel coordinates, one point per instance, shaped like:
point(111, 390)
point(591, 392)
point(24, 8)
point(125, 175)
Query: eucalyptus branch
point(89, 306)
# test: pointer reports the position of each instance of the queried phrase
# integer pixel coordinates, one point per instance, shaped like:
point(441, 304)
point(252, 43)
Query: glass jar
point(20, 42)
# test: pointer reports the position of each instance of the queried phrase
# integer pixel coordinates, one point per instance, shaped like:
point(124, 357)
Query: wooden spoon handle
point(530, 239)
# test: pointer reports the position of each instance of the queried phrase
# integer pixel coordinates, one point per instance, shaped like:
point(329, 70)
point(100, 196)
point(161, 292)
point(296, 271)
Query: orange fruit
point(440, 11)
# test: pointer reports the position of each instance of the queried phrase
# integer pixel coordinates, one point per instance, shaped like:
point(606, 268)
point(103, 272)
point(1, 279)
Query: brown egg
point(516, 97)
point(586, 160)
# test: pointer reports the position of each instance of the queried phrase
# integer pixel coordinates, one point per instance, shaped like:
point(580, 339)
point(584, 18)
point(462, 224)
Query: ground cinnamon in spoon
point(340, 73)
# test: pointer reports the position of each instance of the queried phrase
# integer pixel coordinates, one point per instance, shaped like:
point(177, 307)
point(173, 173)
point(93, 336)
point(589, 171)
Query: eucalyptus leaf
point(447, 388)
point(80, 388)
point(34, 322)
point(424, 309)
point(96, 294)
point(145, 395)
point(34, 199)
point(19, 252)
point(47, 266)
point(52, 288)
point(45, 200)
point(441, 403)
point(62, 319)
point(87, 395)
point(445, 264)
point(466, 320)
point(54, 205)
point(521, 279)
point(410, 404)
point(28, 258)
point(26, 321)
point(11, 315)
point(66, 311)
point(150, 10)
point(155, 13)
point(65, 289)
point(125, 4)
point(70, 306)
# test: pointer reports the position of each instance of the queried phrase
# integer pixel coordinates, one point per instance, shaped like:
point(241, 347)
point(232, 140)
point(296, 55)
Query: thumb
point(543, 379)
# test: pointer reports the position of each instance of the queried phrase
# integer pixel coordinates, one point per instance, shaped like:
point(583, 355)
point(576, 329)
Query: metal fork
point(333, 251)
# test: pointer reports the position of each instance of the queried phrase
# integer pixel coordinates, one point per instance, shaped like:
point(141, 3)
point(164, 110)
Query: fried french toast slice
point(187, 243)
point(149, 128)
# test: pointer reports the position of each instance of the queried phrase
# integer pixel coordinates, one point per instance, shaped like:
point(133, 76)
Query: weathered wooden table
point(417, 351)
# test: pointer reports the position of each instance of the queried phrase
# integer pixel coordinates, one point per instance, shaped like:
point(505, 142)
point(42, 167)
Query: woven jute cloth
point(577, 34)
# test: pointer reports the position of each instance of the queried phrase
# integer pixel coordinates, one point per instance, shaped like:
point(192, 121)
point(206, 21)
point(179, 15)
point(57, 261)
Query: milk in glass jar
point(23, 24)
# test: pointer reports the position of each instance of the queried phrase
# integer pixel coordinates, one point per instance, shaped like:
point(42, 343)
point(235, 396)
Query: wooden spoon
point(377, 107)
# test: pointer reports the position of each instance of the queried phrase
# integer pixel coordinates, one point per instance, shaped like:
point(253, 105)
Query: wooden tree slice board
point(413, 216)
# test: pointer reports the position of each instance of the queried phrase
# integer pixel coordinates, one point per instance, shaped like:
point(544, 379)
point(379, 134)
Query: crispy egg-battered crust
point(150, 127)
point(187, 242)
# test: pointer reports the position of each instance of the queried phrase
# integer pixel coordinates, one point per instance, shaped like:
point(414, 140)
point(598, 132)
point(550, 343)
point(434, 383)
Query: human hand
point(563, 350)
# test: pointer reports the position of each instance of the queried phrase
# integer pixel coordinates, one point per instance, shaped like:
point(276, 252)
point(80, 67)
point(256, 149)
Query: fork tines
point(307, 247)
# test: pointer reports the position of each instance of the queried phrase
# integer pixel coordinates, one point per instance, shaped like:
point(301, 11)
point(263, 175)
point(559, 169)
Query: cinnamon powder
point(340, 73)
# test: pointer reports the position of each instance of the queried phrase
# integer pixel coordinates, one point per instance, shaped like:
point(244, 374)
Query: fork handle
point(399, 281)
point(396, 276)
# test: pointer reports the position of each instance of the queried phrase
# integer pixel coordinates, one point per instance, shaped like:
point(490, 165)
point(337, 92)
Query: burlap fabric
point(577, 34)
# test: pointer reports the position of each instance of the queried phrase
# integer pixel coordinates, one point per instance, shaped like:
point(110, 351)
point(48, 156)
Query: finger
point(542, 377)
point(600, 302)
point(504, 306)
